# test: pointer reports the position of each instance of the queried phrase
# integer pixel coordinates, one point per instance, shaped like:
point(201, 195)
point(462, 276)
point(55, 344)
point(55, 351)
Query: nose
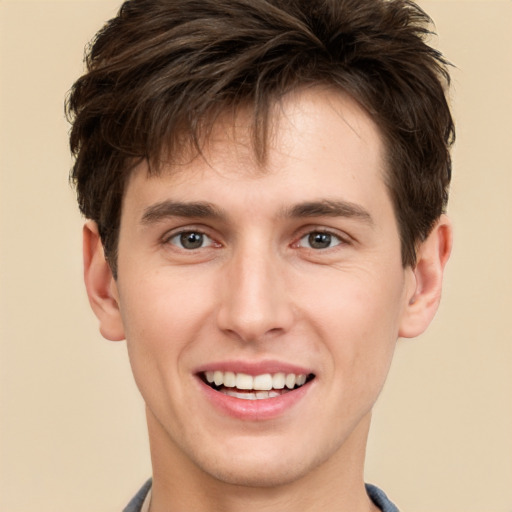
point(254, 300)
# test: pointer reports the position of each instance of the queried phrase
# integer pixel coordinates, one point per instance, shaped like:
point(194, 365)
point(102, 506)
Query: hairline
point(193, 148)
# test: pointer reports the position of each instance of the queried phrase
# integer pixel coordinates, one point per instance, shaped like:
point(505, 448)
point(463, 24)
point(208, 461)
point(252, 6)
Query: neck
point(334, 485)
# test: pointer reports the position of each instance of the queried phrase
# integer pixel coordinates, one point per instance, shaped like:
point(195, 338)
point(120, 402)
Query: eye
point(190, 240)
point(319, 240)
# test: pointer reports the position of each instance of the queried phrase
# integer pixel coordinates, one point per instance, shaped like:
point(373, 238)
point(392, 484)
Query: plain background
point(72, 430)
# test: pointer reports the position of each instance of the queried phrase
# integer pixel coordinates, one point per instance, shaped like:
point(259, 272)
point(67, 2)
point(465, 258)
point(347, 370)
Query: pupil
point(191, 240)
point(319, 240)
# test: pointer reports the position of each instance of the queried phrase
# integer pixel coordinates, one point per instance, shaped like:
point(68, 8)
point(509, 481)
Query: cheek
point(357, 316)
point(162, 304)
point(163, 317)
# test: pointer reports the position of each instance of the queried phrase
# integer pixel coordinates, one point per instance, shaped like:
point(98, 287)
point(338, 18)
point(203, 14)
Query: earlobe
point(432, 255)
point(100, 284)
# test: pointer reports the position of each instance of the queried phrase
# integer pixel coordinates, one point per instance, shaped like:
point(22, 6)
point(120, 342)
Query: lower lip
point(254, 410)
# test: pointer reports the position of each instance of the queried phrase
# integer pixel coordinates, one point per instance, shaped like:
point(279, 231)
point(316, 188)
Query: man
point(265, 182)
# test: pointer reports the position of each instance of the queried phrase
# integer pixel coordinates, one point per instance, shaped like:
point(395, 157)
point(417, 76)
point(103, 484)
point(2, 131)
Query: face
point(261, 303)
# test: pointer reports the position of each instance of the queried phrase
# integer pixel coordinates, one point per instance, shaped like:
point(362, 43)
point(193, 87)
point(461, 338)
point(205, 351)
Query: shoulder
point(137, 501)
point(376, 495)
point(380, 499)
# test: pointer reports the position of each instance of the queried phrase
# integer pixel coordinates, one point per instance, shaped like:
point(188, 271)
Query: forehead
point(317, 139)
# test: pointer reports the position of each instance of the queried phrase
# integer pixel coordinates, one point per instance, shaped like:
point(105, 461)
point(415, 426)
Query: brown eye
point(191, 240)
point(319, 240)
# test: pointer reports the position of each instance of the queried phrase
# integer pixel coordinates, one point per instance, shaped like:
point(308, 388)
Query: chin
point(263, 467)
point(264, 475)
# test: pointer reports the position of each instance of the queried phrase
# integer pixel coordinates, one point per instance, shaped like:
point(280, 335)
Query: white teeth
point(290, 381)
point(229, 380)
point(278, 380)
point(245, 396)
point(264, 382)
point(218, 378)
point(244, 381)
point(259, 395)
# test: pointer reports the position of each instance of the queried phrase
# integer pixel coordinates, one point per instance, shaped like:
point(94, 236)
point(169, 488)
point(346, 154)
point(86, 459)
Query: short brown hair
point(161, 71)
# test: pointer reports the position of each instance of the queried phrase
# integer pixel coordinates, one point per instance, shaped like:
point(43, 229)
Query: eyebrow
point(167, 209)
point(328, 208)
point(204, 210)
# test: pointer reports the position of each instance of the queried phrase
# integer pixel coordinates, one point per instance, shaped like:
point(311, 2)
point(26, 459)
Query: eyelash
point(168, 239)
point(171, 236)
point(341, 240)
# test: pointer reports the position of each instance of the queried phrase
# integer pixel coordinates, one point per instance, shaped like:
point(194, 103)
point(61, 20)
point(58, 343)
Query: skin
point(256, 291)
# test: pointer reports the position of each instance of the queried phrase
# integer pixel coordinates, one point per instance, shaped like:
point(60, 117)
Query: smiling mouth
point(254, 387)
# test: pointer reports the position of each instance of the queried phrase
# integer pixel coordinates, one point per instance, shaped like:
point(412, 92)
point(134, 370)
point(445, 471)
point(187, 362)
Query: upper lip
point(254, 367)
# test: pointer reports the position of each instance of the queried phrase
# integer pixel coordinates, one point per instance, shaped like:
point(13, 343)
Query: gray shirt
point(376, 495)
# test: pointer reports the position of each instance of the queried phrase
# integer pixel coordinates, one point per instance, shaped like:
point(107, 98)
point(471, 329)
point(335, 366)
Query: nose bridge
point(254, 301)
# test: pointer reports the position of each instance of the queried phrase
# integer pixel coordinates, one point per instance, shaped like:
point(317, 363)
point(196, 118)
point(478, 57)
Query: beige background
point(72, 432)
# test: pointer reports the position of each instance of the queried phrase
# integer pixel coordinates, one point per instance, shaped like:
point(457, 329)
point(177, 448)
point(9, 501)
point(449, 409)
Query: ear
point(432, 255)
point(100, 284)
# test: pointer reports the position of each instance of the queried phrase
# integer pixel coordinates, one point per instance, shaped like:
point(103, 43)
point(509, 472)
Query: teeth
point(264, 382)
point(243, 381)
point(290, 381)
point(229, 380)
point(259, 395)
point(278, 381)
point(218, 378)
